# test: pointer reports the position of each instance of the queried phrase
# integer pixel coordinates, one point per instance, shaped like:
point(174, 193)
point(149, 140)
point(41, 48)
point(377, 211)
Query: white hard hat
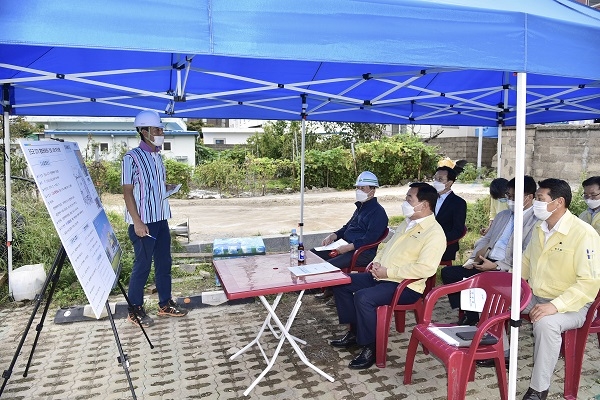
point(148, 118)
point(367, 178)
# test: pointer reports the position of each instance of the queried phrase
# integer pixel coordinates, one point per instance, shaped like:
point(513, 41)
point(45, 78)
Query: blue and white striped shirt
point(144, 169)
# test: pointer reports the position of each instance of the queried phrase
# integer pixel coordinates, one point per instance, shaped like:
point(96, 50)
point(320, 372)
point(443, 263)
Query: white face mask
point(540, 209)
point(593, 204)
point(158, 140)
point(408, 210)
point(361, 196)
point(439, 186)
point(511, 205)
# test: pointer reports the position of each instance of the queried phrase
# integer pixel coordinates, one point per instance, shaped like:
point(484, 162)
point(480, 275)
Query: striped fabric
point(146, 172)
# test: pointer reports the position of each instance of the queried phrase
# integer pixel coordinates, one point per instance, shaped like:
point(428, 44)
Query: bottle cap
point(293, 230)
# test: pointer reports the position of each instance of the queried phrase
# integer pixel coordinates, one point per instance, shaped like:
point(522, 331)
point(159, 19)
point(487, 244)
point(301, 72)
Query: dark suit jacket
point(451, 217)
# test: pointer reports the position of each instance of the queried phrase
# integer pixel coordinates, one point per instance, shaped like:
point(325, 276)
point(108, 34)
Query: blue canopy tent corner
point(449, 62)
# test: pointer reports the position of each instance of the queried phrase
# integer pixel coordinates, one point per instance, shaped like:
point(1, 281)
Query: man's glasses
point(591, 196)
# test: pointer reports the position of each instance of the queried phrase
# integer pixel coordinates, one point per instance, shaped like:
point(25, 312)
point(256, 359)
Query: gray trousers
point(547, 340)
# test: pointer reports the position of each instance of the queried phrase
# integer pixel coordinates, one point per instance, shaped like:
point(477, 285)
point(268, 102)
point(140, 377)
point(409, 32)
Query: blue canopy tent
point(450, 62)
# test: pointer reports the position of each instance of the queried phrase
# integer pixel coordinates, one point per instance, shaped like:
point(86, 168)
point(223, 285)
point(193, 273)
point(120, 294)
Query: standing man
point(412, 253)
point(494, 251)
point(366, 226)
point(591, 195)
point(562, 265)
point(147, 210)
point(450, 210)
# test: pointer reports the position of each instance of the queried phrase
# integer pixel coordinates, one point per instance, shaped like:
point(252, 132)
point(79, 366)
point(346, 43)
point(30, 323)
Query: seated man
point(494, 251)
point(366, 226)
point(413, 252)
point(591, 194)
point(562, 266)
point(450, 210)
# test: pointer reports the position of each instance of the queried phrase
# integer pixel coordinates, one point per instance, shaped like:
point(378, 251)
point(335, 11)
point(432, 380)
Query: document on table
point(332, 246)
point(313, 269)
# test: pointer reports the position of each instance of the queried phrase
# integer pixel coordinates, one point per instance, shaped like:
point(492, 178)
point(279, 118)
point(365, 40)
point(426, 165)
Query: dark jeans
point(457, 273)
point(145, 249)
point(357, 303)
point(343, 260)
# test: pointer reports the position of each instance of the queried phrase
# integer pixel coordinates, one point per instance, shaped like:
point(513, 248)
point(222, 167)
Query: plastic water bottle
point(294, 240)
point(301, 254)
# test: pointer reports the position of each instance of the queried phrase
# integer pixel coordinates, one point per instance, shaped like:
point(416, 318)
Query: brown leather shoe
point(535, 395)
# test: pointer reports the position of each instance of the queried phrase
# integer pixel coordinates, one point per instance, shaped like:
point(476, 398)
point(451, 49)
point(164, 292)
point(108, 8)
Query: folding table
point(267, 275)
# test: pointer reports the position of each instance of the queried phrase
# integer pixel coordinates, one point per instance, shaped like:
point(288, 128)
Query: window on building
point(167, 146)
point(104, 147)
point(219, 141)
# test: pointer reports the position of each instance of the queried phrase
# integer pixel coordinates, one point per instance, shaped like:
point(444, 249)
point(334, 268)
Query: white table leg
point(285, 335)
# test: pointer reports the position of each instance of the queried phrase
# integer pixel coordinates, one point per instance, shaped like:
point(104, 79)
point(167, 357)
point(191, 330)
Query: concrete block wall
point(569, 152)
point(465, 148)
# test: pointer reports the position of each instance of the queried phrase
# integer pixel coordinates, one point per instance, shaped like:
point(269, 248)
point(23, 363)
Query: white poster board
point(78, 216)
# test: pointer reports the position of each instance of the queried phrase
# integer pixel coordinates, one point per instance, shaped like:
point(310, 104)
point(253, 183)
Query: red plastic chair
point(432, 280)
point(353, 264)
point(574, 348)
point(460, 361)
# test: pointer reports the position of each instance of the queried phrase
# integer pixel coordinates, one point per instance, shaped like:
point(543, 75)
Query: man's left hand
point(486, 265)
point(539, 311)
point(378, 271)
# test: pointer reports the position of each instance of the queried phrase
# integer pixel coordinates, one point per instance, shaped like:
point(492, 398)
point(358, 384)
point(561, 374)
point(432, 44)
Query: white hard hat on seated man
point(367, 178)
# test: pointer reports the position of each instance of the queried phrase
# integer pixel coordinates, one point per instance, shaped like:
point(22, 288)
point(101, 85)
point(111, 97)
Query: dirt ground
point(325, 210)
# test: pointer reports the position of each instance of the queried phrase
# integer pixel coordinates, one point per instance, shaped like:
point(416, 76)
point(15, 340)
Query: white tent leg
point(7, 173)
point(499, 153)
point(518, 232)
point(479, 150)
point(302, 148)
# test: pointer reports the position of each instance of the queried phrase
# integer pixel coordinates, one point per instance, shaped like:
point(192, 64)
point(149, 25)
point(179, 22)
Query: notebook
point(461, 335)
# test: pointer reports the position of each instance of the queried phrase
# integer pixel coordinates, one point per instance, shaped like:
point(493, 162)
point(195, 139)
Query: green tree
point(351, 132)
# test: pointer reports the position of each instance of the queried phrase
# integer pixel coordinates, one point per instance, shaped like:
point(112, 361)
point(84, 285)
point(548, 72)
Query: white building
point(112, 135)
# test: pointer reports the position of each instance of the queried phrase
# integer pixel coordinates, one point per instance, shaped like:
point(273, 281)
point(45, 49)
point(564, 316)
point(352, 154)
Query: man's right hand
point(329, 239)
point(140, 229)
point(469, 264)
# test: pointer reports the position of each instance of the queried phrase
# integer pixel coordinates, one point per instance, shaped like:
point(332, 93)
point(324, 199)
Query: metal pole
point(515, 313)
point(479, 149)
point(7, 173)
point(499, 153)
point(302, 149)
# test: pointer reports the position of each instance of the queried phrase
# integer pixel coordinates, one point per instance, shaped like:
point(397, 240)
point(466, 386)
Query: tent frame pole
point(515, 314)
point(7, 192)
point(302, 149)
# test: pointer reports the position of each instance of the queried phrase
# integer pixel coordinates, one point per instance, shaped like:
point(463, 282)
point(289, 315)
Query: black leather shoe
point(489, 363)
point(327, 293)
point(364, 360)
point(466, 320)
point(535, 395)
point(348, 340)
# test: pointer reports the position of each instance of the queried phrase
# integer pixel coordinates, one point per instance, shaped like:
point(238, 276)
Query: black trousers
point(343, 260)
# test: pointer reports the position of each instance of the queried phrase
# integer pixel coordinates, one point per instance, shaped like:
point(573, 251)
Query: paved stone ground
point(190, 360)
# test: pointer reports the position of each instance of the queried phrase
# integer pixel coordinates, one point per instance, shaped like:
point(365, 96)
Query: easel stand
point(53, 276)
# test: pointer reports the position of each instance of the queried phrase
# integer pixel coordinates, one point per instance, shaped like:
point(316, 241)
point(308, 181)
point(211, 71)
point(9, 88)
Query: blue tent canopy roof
point(406, 61)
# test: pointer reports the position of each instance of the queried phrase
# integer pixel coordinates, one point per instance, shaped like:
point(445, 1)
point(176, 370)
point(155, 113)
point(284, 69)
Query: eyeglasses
point(591, 196)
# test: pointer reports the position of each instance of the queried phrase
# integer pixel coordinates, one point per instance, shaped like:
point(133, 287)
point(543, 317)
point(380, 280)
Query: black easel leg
point(122, 359)
point(134, 311)
point(53, 275)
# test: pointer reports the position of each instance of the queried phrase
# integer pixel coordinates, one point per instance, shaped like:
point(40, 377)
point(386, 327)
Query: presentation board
point(78, 215)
